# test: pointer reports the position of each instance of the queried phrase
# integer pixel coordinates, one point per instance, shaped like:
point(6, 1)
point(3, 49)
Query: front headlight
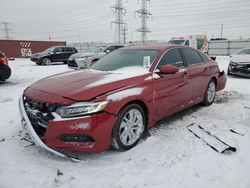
point(81, 108)
point(232, 63)
point(81, 59)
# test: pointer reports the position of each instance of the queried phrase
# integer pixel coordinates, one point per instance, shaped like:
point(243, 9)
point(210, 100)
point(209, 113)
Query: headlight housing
point(81, 108)
point(81, 59)
point(232, 63)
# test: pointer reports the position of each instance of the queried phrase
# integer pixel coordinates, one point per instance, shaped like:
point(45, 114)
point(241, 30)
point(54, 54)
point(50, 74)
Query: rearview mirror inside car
point(146, 61)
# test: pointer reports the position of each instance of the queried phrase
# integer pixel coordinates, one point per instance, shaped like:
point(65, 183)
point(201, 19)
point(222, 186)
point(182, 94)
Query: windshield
point(124, 58)
point(49, 50)
point(244, 51)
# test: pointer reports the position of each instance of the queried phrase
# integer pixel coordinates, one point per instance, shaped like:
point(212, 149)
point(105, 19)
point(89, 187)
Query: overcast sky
point(86, 21)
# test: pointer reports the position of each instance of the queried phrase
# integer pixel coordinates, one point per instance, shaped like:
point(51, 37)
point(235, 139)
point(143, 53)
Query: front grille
point(241, 68)
point(40, 106)
point(39, 115)
point(72, 63)
point(38, 124)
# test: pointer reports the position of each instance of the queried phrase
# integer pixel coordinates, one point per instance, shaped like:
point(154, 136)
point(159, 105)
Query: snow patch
point(125, 93)
point(80, 126)
point(4, 100)
point(120, 74)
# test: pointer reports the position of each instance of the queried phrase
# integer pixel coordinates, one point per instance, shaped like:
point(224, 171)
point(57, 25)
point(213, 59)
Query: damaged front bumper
point(34, 137)
point(239, 69)
point(59, 135)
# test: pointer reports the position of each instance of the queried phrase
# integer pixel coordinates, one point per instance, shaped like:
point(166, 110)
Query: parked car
point(240, 63)
point(53, 54)
point(5, 70)
point(81, 59)
point(88, 57)
point(122, 95)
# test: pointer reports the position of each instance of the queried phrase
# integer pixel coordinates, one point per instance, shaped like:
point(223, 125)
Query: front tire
point(129, 127)
point(210, 93)
point(46, 61)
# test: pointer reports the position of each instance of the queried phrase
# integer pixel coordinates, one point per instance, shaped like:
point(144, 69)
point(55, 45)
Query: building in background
point(24, 48)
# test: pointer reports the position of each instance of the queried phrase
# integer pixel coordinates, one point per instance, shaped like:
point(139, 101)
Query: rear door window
point(171, 57)
point(69, 50)
point(192, 56)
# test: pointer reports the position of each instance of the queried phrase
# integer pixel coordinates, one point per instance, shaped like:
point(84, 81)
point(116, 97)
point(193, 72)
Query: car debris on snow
point(233, 131)
point(211, 140)
point(59, 172)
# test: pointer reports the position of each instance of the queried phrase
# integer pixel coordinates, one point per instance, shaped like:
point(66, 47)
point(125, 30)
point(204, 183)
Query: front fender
point(122, 97)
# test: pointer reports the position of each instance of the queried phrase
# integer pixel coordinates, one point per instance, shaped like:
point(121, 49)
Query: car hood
point(39, 54)
point(77, 55)
point(86, 85)
point(240, 58)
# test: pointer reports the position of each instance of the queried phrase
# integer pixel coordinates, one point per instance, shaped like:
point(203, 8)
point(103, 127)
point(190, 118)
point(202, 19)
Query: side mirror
point(169, 69)
point(213, 58)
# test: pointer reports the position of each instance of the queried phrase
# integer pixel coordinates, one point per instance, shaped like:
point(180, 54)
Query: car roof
point(159, 47)
point(62, 47)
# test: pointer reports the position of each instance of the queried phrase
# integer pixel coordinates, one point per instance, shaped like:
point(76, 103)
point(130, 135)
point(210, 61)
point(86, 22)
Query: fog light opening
point(76, 138)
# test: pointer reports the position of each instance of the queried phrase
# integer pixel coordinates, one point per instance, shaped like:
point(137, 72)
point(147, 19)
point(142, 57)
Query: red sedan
point(115, 101)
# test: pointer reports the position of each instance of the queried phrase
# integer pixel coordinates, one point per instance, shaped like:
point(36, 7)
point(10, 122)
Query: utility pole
point(124, 33)
point(6, 30)
point(221, 31)
point(119, 12)
point(144, 14)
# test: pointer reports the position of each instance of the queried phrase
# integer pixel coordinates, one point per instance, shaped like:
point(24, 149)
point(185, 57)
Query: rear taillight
point(4, 60)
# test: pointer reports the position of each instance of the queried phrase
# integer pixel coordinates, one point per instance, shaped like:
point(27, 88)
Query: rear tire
point(129, 127)
point(210, 93)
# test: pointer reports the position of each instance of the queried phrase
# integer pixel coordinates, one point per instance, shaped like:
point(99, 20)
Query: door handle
point(184, 75)
point(206, 69)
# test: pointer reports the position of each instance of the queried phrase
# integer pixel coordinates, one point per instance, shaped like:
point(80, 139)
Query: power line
point(119, 11)
point(144, 15)
point(124, 33)
point(6, 29)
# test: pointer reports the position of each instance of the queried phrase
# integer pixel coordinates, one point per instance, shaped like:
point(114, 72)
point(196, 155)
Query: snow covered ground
point(170, 156)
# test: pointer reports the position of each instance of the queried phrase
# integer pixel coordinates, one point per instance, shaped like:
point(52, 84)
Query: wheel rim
point(131, 127)
point(211, 92)
point(46, 61)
